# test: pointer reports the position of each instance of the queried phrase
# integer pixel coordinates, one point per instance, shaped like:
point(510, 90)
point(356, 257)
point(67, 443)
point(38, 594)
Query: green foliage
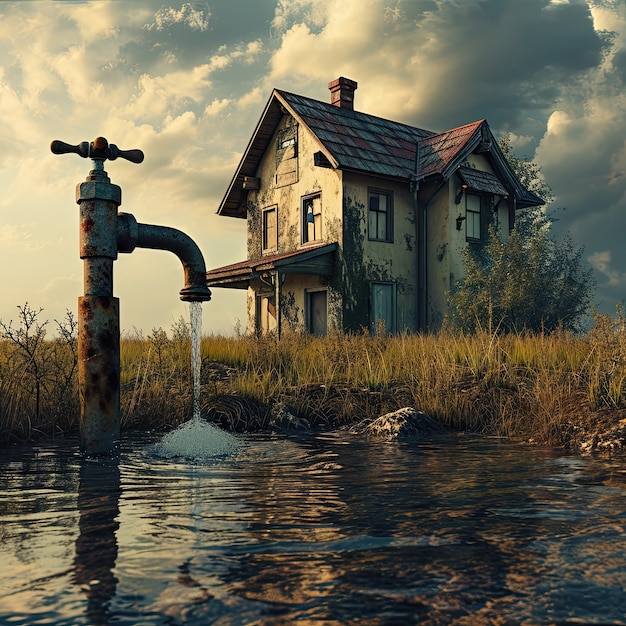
point(528, 280)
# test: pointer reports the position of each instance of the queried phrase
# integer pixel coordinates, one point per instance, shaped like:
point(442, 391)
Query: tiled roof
point(359, 141)
point(437, 152)
point(352, 140)
point(481, 181)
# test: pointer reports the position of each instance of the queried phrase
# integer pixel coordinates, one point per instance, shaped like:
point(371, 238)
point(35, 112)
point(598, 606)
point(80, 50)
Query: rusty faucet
point(103, 233)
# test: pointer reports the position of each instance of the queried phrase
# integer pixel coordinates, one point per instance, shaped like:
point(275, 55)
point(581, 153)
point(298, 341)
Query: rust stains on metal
point(99, 373)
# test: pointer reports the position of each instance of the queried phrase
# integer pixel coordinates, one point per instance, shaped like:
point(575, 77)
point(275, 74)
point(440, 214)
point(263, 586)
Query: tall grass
point(539, 386)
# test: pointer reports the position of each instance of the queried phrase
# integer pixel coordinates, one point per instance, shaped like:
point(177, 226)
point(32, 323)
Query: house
point(354, 221)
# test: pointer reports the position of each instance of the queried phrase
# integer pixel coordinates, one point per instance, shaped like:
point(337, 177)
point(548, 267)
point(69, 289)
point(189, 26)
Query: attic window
point(287, 156)
point(287, 143)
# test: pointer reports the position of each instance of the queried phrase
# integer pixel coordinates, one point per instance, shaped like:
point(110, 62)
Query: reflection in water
point(315, 530)
point(96, 546)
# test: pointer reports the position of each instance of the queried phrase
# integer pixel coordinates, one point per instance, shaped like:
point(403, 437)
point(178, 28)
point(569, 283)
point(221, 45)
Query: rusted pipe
point(132, 234)
point(98, 315)
point(104, 233)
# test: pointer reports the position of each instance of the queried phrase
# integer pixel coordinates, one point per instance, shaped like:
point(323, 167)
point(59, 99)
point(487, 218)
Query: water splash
point(196, 439)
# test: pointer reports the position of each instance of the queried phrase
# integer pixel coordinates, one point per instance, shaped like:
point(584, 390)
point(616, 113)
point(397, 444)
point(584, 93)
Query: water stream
point(196, 439)
point(195, 332)
point(320, 529)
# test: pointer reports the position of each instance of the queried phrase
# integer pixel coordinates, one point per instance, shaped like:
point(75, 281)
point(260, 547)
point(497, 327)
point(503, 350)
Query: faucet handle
point(60, 147)
point(134, 156)
point(98, 150)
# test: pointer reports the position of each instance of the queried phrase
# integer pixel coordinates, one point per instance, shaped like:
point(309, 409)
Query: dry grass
point(541, 387)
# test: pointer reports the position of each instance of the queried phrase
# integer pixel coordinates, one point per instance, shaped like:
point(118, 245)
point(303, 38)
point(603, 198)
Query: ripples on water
point(317, 530)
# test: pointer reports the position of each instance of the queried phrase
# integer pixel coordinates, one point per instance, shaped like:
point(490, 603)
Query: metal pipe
point(132, 234)
point(98, 314)
point(103, 233)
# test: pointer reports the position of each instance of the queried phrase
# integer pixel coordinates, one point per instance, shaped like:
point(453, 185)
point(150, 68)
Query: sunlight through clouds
point(187, 82)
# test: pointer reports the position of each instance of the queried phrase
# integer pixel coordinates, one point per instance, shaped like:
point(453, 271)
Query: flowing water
point(321, 529)
point(196, 439)
point(195, 332)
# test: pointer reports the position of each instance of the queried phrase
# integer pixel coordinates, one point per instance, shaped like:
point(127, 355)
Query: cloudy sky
point(187, 83)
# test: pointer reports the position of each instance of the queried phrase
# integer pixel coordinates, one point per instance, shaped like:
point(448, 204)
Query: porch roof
point(312, 259)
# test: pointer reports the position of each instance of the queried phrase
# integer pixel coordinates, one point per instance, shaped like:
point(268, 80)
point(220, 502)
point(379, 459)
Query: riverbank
point(555, 389)
point(487, 410)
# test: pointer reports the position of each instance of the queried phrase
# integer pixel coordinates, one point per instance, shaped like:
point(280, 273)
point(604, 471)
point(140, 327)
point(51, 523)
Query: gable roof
point(351, 140)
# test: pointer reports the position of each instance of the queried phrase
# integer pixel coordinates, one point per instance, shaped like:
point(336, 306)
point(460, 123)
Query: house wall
point(287, 176)
point(444, 249)
point(446, 244)
point(362, 261)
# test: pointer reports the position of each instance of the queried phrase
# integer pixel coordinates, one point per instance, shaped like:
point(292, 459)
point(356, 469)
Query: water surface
point(322, 529)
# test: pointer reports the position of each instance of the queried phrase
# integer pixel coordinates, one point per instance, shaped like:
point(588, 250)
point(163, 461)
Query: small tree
point(28, 339)
point(528, 280)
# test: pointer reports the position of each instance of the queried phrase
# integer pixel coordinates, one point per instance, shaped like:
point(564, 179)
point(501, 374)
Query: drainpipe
point(421, 246)
point(102, 234)
point(421, 228)
point(278, 279)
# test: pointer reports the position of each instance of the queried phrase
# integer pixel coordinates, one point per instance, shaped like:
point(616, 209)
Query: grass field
point(542, 387)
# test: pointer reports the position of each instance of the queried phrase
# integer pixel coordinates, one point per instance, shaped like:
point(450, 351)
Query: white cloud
point(189, 15)
point(601, 261)
point(96, 20)
point(217, 106)
point(157, 95)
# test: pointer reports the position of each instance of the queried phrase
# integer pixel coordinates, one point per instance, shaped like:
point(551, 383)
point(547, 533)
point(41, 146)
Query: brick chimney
point(342, 92)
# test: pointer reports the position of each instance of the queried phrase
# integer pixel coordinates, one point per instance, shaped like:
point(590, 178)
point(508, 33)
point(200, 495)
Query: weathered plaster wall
point(288, 197)
point(293, 305)
point(364, 261)
point(446, 244)
point(284, 190)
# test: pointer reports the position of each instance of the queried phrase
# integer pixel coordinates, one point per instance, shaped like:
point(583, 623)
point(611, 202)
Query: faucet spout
point(131, 234)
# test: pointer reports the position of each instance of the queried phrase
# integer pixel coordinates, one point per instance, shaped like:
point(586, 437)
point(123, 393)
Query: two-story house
point(354, 221)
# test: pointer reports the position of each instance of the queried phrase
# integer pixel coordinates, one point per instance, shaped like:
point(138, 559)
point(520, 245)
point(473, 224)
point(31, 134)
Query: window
point(287, 137)
point(312, 218)
point(383, 307)
point(380, 212)
point(472, 217)
point(286, 142)
point(287, 156)
point(317, 312)
point(270, 230)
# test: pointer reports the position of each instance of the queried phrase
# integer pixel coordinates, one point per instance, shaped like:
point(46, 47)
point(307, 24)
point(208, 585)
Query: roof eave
point(233, 204)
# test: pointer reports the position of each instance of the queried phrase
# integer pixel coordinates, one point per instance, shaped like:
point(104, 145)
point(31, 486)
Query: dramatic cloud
point(187, 82)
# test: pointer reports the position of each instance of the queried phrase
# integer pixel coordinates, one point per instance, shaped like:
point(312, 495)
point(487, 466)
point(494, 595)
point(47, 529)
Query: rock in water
point(282, 419)
point(404, 423)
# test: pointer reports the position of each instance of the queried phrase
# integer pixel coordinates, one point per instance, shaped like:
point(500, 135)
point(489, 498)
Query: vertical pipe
point(278, 278)
point(98, 315)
